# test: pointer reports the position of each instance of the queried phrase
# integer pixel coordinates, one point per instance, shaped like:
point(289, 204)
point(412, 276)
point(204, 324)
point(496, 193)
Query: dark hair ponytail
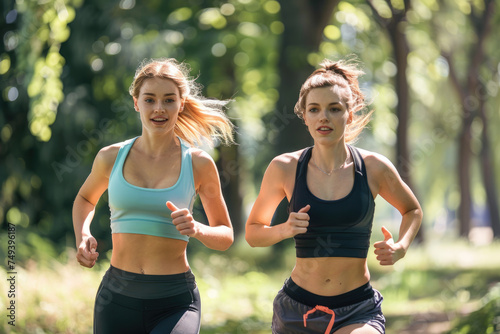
point(343, 74)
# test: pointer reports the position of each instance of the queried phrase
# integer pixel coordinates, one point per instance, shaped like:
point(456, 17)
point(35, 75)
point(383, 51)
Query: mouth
point(324, 130)
point(159, 120)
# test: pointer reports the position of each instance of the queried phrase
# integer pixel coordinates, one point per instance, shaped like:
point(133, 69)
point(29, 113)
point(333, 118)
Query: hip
point(296, 310)
point(141, 286)
point(330, 276)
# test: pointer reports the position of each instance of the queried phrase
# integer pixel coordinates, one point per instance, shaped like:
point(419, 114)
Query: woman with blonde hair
point(331, 188)
point(152, 181)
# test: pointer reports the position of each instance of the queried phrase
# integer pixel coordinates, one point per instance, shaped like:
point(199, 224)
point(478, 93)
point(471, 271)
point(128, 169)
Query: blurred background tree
point(472, 86)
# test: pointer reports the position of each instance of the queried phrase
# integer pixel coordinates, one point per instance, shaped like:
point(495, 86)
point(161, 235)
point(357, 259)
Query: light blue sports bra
point(143, 210)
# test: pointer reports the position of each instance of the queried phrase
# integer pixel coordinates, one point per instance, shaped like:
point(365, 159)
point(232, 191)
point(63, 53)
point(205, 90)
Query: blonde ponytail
point(203, 119)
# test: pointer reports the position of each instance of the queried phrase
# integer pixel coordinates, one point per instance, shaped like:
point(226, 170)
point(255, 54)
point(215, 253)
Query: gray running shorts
point(325, 314)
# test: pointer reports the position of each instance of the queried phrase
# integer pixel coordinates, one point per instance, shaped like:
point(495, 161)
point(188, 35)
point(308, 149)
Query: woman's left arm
point(219, 234)
point(396, 192)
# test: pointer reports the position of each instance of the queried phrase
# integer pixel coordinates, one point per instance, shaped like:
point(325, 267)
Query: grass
point(57, 295)
point(484, 320)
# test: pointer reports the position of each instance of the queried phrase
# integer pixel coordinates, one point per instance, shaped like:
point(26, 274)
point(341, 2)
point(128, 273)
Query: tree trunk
point(472, 106)
point(488, 175)
point(403, 162)
point(464, 158)
point(304, 23)
point(400, 49)
point(483, 28)
point(229, 167)
point(464, 152)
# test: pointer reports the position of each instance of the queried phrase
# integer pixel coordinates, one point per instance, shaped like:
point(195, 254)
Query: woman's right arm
point(259, 233)
point(85, 202)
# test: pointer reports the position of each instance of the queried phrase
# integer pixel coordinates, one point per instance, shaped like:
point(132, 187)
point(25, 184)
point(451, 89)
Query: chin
point(327, 140)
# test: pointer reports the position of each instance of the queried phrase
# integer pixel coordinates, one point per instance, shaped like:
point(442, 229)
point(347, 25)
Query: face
point(326, 114)
point(159, 104)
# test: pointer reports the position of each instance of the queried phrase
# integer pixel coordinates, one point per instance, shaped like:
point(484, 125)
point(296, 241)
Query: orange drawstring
point(324, 309)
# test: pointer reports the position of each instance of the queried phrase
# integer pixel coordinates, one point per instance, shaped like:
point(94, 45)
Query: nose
point(323, 116)
point(159, 108)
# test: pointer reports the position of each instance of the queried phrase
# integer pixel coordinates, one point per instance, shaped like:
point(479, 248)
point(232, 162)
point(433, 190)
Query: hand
point(297, 223)
point(183, 220)
point(388, 252)
point(86, 254)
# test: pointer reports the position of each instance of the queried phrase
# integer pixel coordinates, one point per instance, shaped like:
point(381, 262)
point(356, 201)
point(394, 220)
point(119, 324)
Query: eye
point(335, 109)
point(148, 100)
point(313, 110)
point(169, 100)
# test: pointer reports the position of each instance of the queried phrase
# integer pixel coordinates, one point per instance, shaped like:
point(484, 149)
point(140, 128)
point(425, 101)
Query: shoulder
point(286, 162)
point(204, 168)
point(282, 169)
point(201, 159)
point(376, 164)
point(105, 158)
point(205, 171)
point(109, 153)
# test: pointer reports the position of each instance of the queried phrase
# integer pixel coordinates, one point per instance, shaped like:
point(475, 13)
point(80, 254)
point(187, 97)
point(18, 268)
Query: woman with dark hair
point(331, 188)
point(152, 181)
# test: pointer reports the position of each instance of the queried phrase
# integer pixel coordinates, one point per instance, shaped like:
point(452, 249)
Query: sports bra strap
point(359, 166)
point(301, 166)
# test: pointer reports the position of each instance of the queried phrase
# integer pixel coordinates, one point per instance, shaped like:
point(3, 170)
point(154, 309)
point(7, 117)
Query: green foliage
point(486, 320)
point(44, 28)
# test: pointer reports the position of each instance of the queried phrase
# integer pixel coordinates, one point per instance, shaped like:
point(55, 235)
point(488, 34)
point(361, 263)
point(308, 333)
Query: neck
point(157, 145)
point(330, 157)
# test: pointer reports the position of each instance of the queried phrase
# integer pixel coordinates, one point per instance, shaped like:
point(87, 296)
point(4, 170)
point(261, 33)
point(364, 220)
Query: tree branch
point(389, 3)
point(454, 77)
point(483, 29)
point(382, 21)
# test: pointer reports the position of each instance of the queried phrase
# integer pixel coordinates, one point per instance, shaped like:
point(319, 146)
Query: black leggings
point(116, 311)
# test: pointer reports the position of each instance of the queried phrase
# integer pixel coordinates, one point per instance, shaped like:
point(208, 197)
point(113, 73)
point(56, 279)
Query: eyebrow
point(153, 94)
point(332, 103)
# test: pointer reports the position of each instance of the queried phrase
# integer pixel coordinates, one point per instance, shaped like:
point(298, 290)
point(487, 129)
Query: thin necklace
point(334, 169)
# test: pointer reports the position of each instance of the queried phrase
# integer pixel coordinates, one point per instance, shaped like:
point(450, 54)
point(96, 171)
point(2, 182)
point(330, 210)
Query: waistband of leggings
point(148, 286)
point(303, 296)
point(127, 275)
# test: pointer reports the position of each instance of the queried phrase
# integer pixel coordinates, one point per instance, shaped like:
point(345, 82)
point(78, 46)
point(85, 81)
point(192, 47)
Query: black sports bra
point(340, 228)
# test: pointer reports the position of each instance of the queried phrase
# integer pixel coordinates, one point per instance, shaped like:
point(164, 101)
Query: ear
point(136, 106)
point(304, 118)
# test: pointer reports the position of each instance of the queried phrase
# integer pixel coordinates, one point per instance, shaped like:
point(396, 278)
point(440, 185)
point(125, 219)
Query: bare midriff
point(330, 276)
point(147, 254)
